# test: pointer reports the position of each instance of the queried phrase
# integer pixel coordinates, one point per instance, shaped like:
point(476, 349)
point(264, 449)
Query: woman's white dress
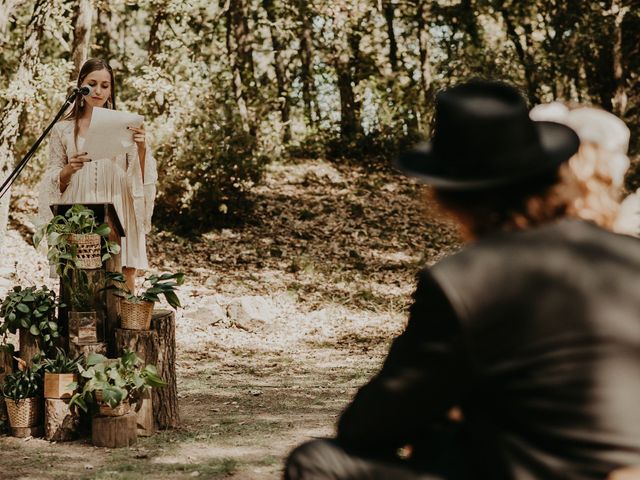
point(115, 180)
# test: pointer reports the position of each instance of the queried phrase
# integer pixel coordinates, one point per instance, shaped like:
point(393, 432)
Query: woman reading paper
point(127, 180)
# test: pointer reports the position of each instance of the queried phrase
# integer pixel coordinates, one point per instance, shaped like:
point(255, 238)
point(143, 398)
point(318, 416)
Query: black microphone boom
point(6, 185)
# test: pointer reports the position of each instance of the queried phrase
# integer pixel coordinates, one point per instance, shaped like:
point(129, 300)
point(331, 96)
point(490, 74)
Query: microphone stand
point(16, 171)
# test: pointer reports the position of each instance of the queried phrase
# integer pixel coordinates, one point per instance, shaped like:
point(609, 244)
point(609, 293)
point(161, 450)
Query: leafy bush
point(32, 309)
point(208, 173)
point(61, 363)
point(117, 380)
point(22, 384)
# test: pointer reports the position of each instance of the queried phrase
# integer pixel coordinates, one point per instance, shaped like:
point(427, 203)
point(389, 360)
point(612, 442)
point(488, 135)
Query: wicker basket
point(23, 413)
point(88, 254)
point(136, 316)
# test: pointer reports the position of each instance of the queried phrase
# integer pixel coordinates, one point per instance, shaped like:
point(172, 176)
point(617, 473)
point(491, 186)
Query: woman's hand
point(75, 163)
point(139, 136)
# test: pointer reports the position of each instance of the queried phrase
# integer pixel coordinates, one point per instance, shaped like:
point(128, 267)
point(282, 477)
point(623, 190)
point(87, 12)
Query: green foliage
point(83, 291)
point(118, 380)
point(164, 284)
point(61, 363)
point(32, 309)
point(63, 253)
point(23, 384)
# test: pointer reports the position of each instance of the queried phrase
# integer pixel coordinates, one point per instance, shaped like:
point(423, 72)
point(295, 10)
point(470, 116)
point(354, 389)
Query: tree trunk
point(426, 77)
point(306, 59)
point(348, 115)
point(60, 425)
point(114, 432)
point(104, 32)
point(619, 100)
point(81, 35)
point(525, 58)
point(235, 64)
point(29, 346)
point(22, 87)
point(284, 101)
point(157, 347)
point(154, 38)
point(389, 14)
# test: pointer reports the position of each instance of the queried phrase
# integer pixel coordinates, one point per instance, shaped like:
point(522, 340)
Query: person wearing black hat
point(531, 333)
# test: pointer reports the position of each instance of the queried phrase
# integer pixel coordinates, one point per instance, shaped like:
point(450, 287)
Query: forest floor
point(323, 273)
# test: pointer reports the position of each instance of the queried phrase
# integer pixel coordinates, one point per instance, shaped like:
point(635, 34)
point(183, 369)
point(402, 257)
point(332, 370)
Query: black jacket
point(536, 335)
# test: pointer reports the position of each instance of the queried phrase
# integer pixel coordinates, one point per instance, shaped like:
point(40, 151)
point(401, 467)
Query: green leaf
point(24, 323)
point(21, 307)
point(34, 330)
point(53, 326)
point(173, 299)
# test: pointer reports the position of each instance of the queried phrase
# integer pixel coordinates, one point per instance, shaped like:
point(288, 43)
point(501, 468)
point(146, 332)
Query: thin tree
point(284, 102)
point(21, 88)
point(81, 35)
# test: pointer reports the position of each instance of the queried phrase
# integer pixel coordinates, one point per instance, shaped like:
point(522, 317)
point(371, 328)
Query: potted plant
point(136, 310)
point(76, 240)
point(21, 391)
point(114, 385)
point(83, 316)
point(60, 375)
point(30, 311)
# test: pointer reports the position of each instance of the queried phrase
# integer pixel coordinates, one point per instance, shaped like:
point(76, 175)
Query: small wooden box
point(55, 385)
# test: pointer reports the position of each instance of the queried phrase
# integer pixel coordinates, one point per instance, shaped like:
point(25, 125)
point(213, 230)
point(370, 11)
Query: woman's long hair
point(91, 65)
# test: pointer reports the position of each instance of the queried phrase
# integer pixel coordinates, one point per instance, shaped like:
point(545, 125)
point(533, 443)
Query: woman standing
point(127, 181)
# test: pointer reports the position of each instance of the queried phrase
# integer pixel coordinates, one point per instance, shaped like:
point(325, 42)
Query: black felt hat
point(484, 138)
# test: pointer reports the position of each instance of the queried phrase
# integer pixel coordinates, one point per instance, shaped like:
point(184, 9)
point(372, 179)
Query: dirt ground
point(327, 265)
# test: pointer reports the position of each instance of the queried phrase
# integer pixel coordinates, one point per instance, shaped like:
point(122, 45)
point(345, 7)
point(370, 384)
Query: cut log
point(6, 364)
point(29, 346)
point(157, 347)
point(165, 400)
point(114, 432)
point(144, 414)
point(60, 424)
point(24, 432)
point(86, 350)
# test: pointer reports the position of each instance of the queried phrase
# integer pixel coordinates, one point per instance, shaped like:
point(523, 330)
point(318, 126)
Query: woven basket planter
point(88, 254)
point(136, 316)
point(23, 413)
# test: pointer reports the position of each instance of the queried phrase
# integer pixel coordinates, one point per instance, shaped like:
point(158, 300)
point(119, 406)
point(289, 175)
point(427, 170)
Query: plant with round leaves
point(24, 383)
point(77, 220)
point(117, 380)
point(164, 284)
point(32, 309)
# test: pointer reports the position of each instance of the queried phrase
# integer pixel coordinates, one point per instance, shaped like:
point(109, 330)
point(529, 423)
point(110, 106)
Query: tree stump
point(157, 347)
point(6, 367)
point(29, 346)
point(60, 424)
point(114, 432)
point(144, 416)
point(87, 349)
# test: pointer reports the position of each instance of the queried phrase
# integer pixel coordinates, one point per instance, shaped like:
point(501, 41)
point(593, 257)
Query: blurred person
point(599, 166)
point(127, 181)
point(521, 355)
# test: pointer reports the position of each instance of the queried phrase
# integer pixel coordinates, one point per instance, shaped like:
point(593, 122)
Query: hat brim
point(558, 143)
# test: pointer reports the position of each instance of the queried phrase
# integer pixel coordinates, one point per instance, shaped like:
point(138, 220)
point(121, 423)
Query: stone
point(250, 313)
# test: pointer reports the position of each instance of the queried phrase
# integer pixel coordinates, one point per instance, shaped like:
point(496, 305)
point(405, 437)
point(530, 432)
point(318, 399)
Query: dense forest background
point(227, 86)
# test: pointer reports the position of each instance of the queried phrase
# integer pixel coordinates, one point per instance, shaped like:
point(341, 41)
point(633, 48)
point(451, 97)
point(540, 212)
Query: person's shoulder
point(63, 126)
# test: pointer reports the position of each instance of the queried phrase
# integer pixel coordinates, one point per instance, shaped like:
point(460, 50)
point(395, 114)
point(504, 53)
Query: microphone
point(85, 90)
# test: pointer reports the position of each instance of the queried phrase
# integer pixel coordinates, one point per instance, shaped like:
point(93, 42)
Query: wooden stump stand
point(157, 347)
point(114, 432)
point(28, 346)
point(60, 424)
point(6, 367)
point(87, 349)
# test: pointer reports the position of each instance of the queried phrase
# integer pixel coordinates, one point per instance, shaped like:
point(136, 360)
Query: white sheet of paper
point(108, 135)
